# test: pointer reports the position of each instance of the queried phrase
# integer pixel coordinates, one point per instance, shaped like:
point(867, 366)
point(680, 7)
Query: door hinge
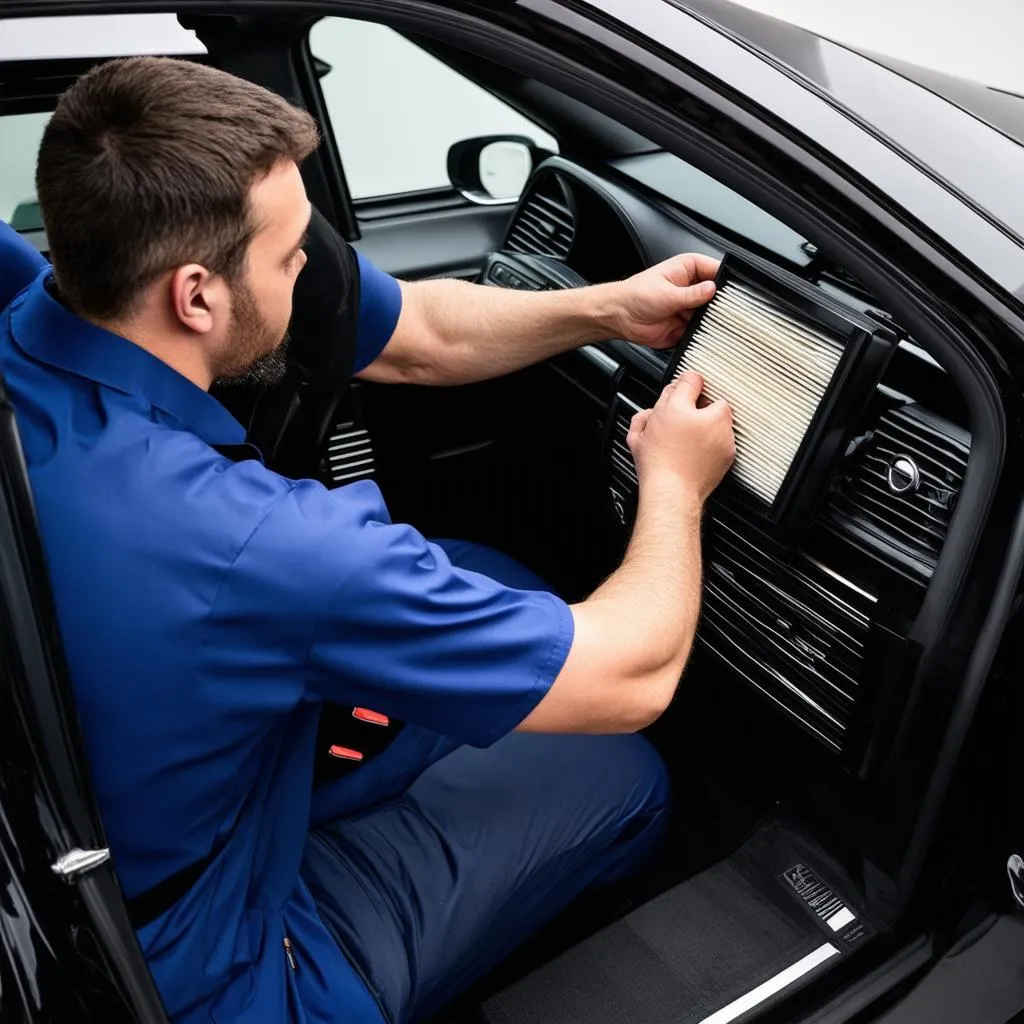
point(76, 863)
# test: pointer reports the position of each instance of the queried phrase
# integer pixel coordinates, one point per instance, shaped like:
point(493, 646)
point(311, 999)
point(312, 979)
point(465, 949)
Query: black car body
point(682, 125)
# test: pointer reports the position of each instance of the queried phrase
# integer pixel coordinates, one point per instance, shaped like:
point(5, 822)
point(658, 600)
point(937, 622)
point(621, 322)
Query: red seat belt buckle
point(373, 717)
point(345, 753)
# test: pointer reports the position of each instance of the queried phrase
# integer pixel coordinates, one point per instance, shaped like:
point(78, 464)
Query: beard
point(257, 354)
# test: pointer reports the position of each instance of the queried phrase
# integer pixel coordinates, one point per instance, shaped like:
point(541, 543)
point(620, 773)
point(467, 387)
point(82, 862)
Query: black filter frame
point(868, 345)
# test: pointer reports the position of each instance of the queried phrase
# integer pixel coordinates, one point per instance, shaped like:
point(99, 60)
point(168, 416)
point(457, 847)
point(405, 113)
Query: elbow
point(654, 695)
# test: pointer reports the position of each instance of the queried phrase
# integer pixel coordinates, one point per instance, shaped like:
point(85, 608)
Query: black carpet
point(691, 951)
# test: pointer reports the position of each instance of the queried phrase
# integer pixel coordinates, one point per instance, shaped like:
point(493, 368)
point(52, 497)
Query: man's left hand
point(653, 307)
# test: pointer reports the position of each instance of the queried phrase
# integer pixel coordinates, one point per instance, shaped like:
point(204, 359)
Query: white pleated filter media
point(772, 368)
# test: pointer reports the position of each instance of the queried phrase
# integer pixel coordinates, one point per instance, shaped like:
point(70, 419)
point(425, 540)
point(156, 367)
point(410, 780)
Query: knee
point(637, 799)
point(647, 789)
point(628, 773)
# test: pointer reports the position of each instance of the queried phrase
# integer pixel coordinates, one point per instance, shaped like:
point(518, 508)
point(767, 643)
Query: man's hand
point(451, 332)
point(652, 308)
point(633, 635)
point(682, 440)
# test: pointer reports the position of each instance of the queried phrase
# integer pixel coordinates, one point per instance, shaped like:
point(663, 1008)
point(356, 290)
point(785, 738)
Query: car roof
point(968, 135)
point(798, 47)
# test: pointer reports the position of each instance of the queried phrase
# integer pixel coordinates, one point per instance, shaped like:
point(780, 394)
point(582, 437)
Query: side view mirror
point(492, 169)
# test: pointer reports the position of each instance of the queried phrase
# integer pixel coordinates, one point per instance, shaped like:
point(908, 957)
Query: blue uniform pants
point(429, 889)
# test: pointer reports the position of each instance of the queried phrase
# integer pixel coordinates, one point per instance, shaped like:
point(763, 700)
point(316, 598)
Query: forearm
point(456, 333)
point(634, 634)
point(652, 602)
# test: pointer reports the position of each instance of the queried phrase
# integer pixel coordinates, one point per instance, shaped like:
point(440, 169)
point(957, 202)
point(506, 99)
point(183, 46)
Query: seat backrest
point(20, 261)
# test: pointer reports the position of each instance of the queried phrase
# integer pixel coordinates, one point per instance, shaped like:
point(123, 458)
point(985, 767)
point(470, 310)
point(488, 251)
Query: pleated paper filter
point(772, 368)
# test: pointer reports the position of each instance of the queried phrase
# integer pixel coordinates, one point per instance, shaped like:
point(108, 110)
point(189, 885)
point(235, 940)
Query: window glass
point(95, 35)
point(20, 135)
point(395, 110)
point(74, 36)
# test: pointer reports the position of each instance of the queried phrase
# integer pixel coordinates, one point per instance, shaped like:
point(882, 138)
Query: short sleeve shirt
point(207, 608)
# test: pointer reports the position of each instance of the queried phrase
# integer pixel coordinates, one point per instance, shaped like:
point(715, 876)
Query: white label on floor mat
point(819, 897)
point(767, 989)
point(841, 918)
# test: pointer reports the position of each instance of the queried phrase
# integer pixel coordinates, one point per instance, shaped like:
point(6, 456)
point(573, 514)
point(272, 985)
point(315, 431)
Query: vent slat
point(883, 527)
point(914, 515)
point(544, 224)
point(778, 685)
point(787, 633)
point(349, 454)
point(527, 240)
point(780, 605)
point(837, 651)
point(927, 463)
point(836, 689)
point(732, 655)
point(942, 446)
point(623, 468)
point(556, 211)
point(539, 219)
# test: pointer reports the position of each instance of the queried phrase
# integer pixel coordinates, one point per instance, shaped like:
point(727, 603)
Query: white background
point(976, 39)
point(396, 111)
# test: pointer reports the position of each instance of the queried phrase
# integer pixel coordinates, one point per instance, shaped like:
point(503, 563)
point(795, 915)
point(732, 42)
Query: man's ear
point(196, 297)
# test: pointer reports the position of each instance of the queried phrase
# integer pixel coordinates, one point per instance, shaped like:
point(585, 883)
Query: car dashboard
point(817, 621)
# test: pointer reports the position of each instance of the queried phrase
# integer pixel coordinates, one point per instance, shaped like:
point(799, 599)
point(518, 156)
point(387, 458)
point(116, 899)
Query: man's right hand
point(683, 440)
point(633, 635)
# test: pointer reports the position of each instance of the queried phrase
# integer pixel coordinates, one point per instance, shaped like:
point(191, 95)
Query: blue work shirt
point(207, 609)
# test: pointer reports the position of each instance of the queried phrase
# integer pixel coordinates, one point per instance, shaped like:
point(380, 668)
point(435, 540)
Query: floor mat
point(710, 950)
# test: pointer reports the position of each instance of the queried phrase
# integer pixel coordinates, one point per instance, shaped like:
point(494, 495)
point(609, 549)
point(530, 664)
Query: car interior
point(801, 743)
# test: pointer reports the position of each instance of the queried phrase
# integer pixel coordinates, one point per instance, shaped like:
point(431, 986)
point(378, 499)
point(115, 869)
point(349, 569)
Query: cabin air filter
point(797, 368)
point(772, 369)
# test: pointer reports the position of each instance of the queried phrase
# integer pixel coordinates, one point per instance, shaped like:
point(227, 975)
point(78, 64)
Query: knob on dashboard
point(903, 475)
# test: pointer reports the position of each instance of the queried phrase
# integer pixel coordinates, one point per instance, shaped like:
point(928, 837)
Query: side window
point(20, 135)
point(57, 38)
point(396, 110)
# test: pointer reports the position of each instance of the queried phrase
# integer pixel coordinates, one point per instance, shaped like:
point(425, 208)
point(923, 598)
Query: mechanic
point(209, 607)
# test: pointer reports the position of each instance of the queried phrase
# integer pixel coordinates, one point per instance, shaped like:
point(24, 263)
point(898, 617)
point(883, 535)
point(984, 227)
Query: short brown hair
point(146, 165)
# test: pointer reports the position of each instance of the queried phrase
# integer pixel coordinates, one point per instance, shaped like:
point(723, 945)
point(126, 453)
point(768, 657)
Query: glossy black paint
point(942, 253)
point(929, 116)
point(58, 965)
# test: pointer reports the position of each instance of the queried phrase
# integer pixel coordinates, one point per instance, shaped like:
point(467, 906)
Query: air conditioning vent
point(349, 455)
point(797, 633)
point(544, 223)
point(898, 488)
point(623, 486)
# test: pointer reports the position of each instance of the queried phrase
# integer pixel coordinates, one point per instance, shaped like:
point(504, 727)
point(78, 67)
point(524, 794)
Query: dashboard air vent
point(623, 486)
point(898, 488)
point(543, 224)
point(797, 633)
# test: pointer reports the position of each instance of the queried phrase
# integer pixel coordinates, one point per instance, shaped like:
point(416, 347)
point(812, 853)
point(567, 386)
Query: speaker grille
point(772, 367)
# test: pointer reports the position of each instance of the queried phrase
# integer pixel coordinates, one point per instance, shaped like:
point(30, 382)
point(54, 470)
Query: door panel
point(415, 241)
